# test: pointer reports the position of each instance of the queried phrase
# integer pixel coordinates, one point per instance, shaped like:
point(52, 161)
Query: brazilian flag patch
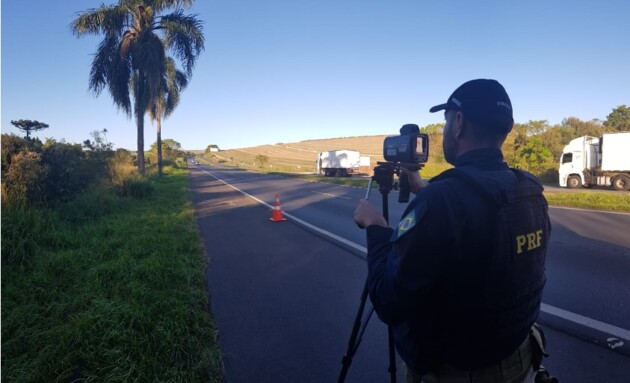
point(406, 223)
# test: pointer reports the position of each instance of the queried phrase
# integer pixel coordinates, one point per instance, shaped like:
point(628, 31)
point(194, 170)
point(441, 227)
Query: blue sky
point(285, 71)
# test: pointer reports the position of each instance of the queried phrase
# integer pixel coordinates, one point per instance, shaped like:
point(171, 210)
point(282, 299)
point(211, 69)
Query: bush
point(261, 159)
point(12, 144)
point(137, 187)
point(23, 179)
point(125, 177)
point(121, 167)
point(69, 171)
point(43, 174)
point(166, 163)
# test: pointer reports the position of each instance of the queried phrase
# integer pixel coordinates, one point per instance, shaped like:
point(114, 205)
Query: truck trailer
point(340, 163)
point(596, 161)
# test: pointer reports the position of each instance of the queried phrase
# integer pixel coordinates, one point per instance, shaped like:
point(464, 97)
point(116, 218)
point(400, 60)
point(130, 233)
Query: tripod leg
point(352, 342)
point(392, 354)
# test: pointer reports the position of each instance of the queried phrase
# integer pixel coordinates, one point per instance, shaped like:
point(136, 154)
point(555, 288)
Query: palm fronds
point(111, 70)
point(105, 20)
point(160, 5)
point(183, 34)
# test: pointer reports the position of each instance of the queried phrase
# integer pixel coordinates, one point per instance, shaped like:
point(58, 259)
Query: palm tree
point(130, 60)
point(167, 99)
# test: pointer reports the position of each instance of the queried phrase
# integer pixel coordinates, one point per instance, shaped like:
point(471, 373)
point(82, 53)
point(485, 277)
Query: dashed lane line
point(331, 195)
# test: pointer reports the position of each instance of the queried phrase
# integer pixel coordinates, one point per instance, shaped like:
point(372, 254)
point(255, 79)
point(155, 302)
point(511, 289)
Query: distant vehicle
point(596, 161)
point(340, 163)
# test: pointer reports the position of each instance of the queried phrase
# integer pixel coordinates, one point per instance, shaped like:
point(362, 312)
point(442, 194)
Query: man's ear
point(459, 126)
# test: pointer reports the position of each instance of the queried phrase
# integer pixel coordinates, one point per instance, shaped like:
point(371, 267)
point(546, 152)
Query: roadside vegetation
point(534, 146)
point(579, 199)
point(102, 266)
point(102, 269)
point(618, 201)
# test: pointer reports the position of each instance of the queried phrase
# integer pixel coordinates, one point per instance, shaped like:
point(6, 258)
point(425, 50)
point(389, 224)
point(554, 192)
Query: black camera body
point(411, 147)
point(410, 150)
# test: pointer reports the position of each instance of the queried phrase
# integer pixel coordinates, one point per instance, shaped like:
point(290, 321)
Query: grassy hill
point(300, 156)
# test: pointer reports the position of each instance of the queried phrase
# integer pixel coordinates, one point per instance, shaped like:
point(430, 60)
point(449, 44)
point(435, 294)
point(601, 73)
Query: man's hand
point(415, 181)
point(366, 215)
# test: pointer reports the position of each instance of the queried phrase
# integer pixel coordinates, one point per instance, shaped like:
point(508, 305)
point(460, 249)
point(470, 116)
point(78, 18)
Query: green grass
point(110, 288)
point(619, 201)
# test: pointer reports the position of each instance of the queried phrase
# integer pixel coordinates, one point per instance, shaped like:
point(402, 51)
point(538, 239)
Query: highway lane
point(284, 300)
point(587, 276)
point(588, 264)
point(572, 359)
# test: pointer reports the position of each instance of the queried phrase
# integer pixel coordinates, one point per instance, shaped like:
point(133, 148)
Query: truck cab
point(589, 161)
point(578, 158)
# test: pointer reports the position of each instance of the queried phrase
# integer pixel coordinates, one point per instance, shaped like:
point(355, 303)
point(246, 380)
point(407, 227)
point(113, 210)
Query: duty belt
point(512, 369)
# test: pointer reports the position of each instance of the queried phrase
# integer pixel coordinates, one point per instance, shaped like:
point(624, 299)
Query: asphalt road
point(588, 271)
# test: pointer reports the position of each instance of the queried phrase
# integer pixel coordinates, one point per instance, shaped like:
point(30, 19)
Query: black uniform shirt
point(443, 228)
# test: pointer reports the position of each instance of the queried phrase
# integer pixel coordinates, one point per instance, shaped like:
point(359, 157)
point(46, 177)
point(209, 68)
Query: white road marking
point(564, 314)
point(331, 195)
point(613, 343)
point(585, 321)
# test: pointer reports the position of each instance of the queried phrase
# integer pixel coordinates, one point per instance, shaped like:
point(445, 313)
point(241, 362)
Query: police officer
point(460, 278)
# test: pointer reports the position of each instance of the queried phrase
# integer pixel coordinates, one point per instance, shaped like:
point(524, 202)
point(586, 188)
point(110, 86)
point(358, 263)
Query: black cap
point(484, 101)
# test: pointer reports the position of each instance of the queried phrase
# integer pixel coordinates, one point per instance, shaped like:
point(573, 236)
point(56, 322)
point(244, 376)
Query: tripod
point(384, 176)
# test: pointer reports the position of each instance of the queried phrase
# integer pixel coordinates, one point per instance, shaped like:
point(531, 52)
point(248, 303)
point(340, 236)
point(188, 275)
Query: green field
point(300, 156)
point(108, 289)
point(298, 160)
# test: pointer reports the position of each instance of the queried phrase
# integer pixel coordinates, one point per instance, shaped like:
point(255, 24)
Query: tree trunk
point(140, 124)
point(140, 109)
point(159, 141)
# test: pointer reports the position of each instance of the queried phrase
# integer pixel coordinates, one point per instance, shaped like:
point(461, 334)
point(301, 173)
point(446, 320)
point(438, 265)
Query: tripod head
point(384, 176)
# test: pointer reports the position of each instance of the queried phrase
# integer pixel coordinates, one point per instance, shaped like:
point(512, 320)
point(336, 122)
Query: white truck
point(596, 161)
point(340, 163)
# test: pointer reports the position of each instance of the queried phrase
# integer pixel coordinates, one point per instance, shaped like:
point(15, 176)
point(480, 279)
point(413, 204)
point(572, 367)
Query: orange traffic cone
point(276, 216)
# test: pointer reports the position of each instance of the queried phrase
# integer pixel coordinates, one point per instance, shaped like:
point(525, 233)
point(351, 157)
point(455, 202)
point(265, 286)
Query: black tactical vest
point(492, 301)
